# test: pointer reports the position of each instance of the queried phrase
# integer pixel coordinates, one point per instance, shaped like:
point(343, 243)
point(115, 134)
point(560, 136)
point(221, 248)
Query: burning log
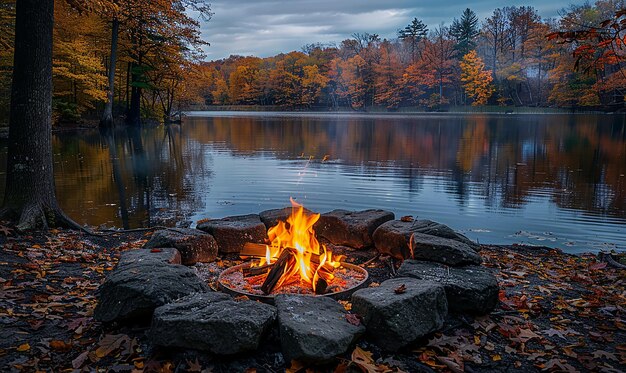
point(253, 249)
point(258, 250)
point(277, 271)
point(255, 271)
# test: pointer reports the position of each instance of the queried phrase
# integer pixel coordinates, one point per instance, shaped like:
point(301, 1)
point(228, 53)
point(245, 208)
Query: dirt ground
point(557, 313)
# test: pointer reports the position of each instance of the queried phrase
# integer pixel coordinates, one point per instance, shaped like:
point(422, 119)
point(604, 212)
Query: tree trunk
point(30, 194)
point(107, 115)
point(133, 118)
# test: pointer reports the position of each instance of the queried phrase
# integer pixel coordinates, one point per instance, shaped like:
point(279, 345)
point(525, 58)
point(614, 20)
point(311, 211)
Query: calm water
point(556, 180)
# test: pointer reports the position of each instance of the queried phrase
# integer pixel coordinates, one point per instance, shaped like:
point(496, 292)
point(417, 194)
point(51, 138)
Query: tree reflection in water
point(443, 167)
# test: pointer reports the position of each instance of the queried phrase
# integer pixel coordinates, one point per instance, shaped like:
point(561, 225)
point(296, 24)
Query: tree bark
point(133, 118)
point(107, 115)
point(30, 193)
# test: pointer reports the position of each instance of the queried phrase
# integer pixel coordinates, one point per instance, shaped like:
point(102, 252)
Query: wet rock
point(400, 310)
point(168, 255)
point(194, 245)
point(232, 232)
point(314, 329)
point(212, 322)
point(393, 236)
point(271, 217)
point(141, 283)
point(469, 289)
point(351, 228)
point(443, 250)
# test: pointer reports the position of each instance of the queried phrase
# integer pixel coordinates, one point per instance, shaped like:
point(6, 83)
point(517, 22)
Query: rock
point(314, 329)
point(193, 244)
point(470, 289)
point(168, 255)
point(137, 286)
point(351, 228)
point(443, 250)
point(394, 319)
point(233, 232)
point(393, 236)
point(212, 322)
point(271, 217)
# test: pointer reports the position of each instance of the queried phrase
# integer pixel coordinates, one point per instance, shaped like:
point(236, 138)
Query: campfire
point(292, 261)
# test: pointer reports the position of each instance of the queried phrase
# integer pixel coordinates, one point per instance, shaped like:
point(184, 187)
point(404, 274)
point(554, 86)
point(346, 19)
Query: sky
point(268, 27)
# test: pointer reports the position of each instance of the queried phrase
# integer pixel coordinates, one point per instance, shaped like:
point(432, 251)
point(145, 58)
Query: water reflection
point(553, 178)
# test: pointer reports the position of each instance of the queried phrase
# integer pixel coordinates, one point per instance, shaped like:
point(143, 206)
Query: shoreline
point(557, 311)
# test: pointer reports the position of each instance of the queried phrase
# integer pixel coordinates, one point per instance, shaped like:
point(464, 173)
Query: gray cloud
point(268, 27)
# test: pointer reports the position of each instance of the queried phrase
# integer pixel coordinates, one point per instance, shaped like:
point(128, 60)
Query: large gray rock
point(271, 217)
point(193, 244)
point(351, 228)
point(393, 236)
point(141, 283)
point(395, 318)
point(166, 255)
point(212, 322)
point(443, 250)
point(314, 329)
point(232, 232)
point(471, 289)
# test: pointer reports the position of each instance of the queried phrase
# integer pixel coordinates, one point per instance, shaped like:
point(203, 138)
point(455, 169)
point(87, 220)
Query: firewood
point(277, 271)
point(320, 286)
point(255, 271)
point(259, 250)
point(254, 249)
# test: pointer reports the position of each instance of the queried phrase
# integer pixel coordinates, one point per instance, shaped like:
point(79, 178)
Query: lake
point(555, 180)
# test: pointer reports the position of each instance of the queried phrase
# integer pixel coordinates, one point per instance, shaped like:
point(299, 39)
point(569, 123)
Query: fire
point(294, 246)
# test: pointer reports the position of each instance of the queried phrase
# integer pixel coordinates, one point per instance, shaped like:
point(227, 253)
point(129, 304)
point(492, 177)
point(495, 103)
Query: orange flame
point(298, 235)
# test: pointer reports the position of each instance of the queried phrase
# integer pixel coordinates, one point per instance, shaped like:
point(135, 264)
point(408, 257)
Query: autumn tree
point(7, 35)
point(599, 48)
point(437, 63)
point(389, 77)
point(29, 195)
point(476, 80)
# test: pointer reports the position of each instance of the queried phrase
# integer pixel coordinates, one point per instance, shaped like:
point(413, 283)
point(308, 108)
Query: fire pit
point(292, 262)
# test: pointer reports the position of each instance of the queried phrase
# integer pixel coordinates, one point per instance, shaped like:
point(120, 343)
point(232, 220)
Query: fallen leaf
point(80, 360)
point(23, 347)
point(60, 346)
point(353, 319)
point(400, 289)
point(365, 361)
point(406, 219)
point(110, 343)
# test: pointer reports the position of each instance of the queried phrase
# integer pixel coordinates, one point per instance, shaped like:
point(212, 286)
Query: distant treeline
point(506, 59)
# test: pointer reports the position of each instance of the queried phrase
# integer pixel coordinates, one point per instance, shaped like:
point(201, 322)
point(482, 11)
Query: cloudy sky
point(267, 27)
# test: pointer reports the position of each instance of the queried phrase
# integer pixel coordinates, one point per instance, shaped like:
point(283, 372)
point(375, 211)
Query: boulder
point(393, 236)
point(469, 289)
point(271, 217)
point(232, 232)
point(351, 228)
point(443, 250)
point(212, 322)
point(314, 329)
point(400, 311)
point(137, 286)
point(193, 244)
point(167, 255)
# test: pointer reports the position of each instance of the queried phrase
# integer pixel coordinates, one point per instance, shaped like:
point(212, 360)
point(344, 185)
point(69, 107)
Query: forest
point(151, 55)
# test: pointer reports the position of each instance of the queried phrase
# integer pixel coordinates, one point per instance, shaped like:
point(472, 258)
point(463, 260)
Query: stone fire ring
point(269, 299)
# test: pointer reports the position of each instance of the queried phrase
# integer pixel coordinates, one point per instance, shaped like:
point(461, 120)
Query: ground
point(558, 312)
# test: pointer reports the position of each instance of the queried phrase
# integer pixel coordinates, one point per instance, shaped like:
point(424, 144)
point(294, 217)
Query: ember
point(293, 262)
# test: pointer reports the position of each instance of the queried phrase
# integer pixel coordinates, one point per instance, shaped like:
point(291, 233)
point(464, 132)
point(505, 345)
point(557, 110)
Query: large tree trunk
point(107, 115)
point(29, 193)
